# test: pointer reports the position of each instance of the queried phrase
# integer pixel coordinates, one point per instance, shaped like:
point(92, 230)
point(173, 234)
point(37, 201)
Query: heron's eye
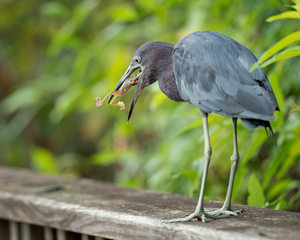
point(137, 60)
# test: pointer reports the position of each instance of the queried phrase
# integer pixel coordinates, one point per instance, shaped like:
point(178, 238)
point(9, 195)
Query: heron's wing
point(212, 72)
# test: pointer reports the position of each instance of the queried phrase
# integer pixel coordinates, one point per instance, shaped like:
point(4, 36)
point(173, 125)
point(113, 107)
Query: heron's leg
point(226, 209)
point(199, 212)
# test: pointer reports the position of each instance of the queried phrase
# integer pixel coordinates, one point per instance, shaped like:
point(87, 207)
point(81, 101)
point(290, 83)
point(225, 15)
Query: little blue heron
point(210, 71)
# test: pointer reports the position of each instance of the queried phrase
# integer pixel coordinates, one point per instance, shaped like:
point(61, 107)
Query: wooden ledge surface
point(106, 210)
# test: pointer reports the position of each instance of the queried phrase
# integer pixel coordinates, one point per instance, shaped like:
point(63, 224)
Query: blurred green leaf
point(44, 161)
point(106, 157)
point(64, 103)
point(278, 188)
point(291, 38)
point(22, 98)
point(284, 15)
point(256, 195)
point(82, 10)
point(17, 124)
point(294, 198)
point(188, 127)
point(238, 181)
point(281, 204)
point(275, 78)
point(296, 109)
point(190, 174)
point(53, 9)
point(272, 204)
point(288, 53)
point(146, 4)
point(122, 13)
point(254, 147)
point(276, 162)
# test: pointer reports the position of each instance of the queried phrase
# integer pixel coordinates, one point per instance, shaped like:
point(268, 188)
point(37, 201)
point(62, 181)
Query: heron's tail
point(270, 132)
point(254, 123)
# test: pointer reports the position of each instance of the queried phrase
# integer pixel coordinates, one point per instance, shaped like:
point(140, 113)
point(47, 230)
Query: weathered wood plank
point(84, 237)
point(61, 234)
point(25, 231)
point(13, 230)
point(113, 212)
point(48, 233)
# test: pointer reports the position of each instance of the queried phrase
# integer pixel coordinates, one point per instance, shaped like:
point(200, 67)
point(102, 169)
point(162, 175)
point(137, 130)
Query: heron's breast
point(169, 88)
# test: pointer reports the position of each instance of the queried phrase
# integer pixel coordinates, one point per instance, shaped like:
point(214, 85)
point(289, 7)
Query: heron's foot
point(225, 213)
point(201, 216)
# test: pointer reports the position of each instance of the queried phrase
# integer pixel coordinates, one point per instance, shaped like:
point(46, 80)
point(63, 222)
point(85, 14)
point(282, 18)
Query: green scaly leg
point(199, 212)
point(226, 210)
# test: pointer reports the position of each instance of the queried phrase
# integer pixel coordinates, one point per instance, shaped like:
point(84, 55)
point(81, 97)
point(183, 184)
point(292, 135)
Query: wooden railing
point(37, 207)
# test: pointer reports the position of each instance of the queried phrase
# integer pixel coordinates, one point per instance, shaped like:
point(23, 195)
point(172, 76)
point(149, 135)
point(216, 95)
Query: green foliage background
point(56, 56)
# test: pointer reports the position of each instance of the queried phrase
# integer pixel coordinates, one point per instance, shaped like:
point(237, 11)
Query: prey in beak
point(155, 62)
point(120, 91)
point(138, 90)
point(126, 82)
point(134, 65)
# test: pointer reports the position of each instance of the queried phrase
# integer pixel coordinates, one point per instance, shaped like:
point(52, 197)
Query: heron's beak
point(126, 81)
point(138, 90)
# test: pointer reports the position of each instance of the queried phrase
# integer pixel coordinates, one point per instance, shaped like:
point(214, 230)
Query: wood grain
point(108, 211)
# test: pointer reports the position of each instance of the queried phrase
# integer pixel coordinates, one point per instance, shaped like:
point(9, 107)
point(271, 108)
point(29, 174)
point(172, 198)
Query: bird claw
point(203, 218)
point(202, 215)
point(239, 212)
point(222, 213)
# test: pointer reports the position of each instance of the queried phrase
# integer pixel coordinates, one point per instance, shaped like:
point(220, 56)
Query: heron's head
point(151, 59)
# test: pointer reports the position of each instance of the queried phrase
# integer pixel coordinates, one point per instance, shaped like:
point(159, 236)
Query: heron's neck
point(167, 82)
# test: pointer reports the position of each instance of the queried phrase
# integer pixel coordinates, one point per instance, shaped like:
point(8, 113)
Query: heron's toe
point(222, 213)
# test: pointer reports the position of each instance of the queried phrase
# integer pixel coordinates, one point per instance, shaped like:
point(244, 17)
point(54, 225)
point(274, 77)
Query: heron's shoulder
point(218, 48)
point(212, 45)
point(204, 37)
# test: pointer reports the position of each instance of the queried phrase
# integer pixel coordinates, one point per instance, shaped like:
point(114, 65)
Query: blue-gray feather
point(212, 72)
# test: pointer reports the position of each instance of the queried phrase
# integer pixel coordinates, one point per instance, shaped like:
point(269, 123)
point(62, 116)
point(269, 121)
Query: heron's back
point(212, 73)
